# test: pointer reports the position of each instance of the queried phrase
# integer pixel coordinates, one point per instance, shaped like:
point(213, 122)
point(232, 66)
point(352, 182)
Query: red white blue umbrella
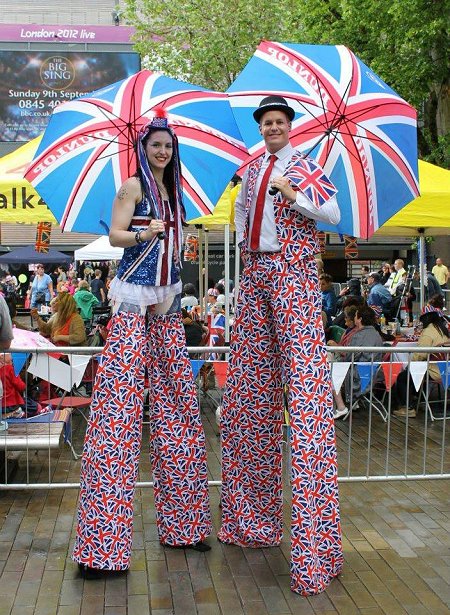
point(87, 150)
point(360, 131)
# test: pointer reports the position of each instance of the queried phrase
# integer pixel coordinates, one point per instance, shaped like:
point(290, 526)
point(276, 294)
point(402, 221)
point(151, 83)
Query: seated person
point(196, 333)
point(436, 303)
point(339, 319)
point(435, 333)
point(65, 327)
point(378, 296)
point(352, 289)
point(211, 299)
point(189, 300)
point(365, 334)
point(85, 300)
point(350, 330)
point(221, 296)
point(329, 299)
point(13, 388)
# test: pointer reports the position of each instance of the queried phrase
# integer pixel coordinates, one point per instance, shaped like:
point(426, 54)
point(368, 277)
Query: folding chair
point(368, 398)
point(64, 376)
point(97, 313)
point(435, 394)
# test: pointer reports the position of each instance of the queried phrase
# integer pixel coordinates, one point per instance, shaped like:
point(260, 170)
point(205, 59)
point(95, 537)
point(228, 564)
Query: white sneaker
point(338, 414)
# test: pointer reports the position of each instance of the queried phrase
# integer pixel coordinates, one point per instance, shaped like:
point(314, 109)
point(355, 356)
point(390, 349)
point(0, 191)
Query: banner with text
point(19, 201)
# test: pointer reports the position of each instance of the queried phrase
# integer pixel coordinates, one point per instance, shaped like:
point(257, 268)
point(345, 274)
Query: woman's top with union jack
point(149, 272)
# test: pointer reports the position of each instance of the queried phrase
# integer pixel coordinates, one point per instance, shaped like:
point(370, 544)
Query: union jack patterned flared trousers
point(278, 339)
point(113, 440)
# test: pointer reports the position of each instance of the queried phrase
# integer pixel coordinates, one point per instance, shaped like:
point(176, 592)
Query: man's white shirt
point(328, 212)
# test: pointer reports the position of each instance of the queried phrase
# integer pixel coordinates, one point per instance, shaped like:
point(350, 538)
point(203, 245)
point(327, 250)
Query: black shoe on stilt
point(201, 547)
point(90, 574)
point(94, 574)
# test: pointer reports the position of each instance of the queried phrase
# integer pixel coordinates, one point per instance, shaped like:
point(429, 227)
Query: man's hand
point(283, 185)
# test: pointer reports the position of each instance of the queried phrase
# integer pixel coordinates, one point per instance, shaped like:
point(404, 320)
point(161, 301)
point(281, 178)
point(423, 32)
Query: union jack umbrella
point(347, 119)
point(87, 150)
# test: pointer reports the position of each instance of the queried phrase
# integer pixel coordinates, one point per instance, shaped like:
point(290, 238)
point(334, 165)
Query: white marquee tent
point(99, 250)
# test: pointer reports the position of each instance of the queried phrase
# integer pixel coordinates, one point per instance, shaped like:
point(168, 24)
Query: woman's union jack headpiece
point(172, 173)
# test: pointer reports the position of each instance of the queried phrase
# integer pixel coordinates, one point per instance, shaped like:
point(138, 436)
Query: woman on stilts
point(146, 334)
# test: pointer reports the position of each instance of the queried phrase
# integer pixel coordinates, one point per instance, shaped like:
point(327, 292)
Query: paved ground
point(396, 541)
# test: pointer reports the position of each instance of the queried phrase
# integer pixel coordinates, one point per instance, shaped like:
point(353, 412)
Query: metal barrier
point(372, 445)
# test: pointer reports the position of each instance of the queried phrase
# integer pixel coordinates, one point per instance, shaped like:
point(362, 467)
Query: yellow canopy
point(19, 201)
point(223, 212)
point(429, 212)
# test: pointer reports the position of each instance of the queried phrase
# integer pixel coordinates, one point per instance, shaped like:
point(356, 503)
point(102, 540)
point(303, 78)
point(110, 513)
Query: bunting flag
point(444, 368)
point(43, 232)
point(321, 238)
point(18, 361)
point(196, 365)
point(338, 372)
point(366, 372)
point(220, 370)
point(391, 372)
point(350, 247)
point(191, 248)
point(417, 369)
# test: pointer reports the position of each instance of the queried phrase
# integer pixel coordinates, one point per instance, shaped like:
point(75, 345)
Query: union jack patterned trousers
point(112, 445)
point(278, 340)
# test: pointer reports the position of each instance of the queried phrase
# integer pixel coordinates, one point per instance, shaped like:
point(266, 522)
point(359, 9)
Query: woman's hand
point(155, 227)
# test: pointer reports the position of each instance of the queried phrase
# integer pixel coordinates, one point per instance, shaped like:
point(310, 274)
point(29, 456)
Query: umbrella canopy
point(19, 201)
point(223, 212)
point(29, 255)
point(87, 150)
point(352, 123)
point(429, 213)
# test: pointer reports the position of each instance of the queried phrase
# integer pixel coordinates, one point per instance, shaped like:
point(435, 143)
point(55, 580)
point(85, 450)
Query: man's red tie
point(259, 208)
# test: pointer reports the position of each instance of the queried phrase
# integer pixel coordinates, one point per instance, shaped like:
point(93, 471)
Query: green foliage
point(205, 42)
point(404, 41)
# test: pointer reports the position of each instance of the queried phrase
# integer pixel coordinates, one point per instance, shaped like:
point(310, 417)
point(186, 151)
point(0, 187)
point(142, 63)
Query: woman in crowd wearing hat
point(146, 334)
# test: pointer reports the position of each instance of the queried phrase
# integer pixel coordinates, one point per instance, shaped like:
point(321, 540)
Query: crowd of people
point(357, 317)
point(389, 291)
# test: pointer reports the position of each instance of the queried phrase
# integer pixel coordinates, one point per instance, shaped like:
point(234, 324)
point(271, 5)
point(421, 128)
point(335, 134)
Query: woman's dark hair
point(367, 315)
point(357, 300)
point(354, 286)
point(220, 287)
point(189, 289)
point(437, 301)
point(168, 175)
point(350, 312)
point(435, 319)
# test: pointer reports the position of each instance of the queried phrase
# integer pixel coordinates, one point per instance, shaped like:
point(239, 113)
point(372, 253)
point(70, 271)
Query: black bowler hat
point(273, 103)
